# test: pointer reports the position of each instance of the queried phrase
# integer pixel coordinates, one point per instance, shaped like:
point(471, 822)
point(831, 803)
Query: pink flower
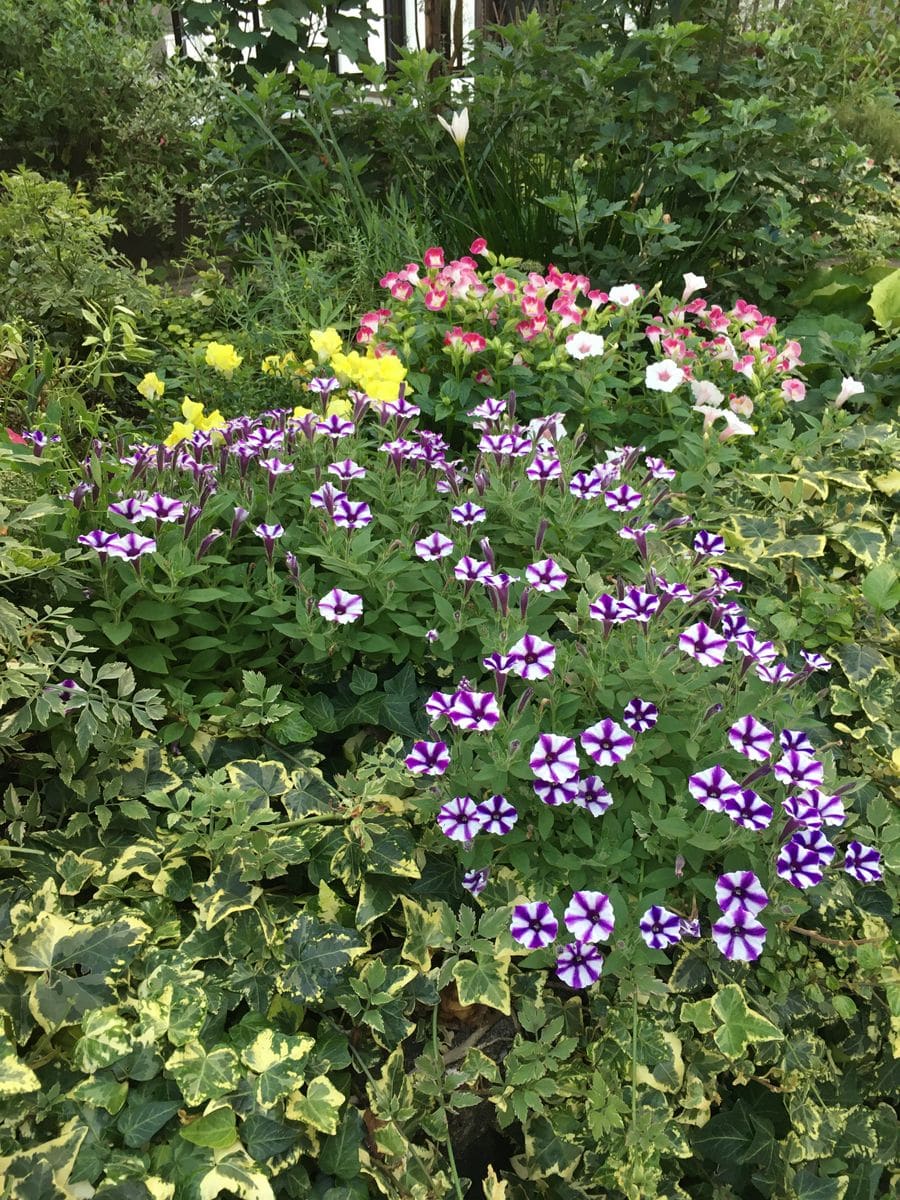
point(478, 246)
point(663, 376)
point(584, 345)
point(793, 390)
point(433, 257)
point(436, 299)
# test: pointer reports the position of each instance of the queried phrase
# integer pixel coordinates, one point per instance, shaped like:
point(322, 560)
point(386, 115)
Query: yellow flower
point(181, 431)
point(339, 407)
point(215, 420)
point(223, 357)
point(271, 364)
point(192, 411)
point(325, 342)
point(151, 386)
point(300, 412)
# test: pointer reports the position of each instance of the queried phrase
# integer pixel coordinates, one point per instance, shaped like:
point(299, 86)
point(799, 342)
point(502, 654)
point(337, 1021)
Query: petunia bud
point(539, 536)
point(240, 516)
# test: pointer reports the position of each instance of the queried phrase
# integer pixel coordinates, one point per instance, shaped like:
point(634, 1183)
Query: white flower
point(663, 376)
point(734, 425)
point(692, 283)
point(849, 387)
point(584, 345)
point(742, 405)
point(710, 415)
point(624, 295)
point(552, 426)
point(706, 392)
point(458, 127)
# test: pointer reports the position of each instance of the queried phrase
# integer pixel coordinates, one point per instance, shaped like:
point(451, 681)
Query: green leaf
point(726, 1137)
point(202, 1074)
point(258, 779)
point(319, 1107)
point(740, 1023)
point(484, 982)
point(216, 1130)
point(340, 1151)
point(362, 681)
point(142, 1119)
point(317, 954)
point(150, 658)
point(885, 301)
point(810, 1186)
point(881, 587)
point(860, 662)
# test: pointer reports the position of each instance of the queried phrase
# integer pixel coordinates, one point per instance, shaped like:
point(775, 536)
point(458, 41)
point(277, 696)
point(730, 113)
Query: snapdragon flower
point(459, 819)
point(607, 743)
point(341, 607)
point(739, 935)
point(498, 815)
point(533, 925)
point(660, 928)
point(428, 758)
point(579, 965)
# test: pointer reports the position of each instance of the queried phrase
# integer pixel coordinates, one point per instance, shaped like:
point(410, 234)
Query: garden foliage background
point(241, 956)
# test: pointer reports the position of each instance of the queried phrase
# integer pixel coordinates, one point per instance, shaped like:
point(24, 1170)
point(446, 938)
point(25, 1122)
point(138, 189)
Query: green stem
point(454, 1174)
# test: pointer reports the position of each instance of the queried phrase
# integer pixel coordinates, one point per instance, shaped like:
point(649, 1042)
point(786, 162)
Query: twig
point(455, 1053)
point(820, 937)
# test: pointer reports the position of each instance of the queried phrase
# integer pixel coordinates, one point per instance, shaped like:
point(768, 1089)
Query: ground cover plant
point(379, 783)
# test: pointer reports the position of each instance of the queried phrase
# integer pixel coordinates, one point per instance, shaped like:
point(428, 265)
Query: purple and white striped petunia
point(275, 467)
point(161, 508)
point(658, 468)
point(474, 712)
point(862, 862)
point(131, 508)
point(815, 662)
point(640, 715)
point(554, 758)
point(799, 770)
point(533, 925)
point(327, 497)
point(436, 545)
point(350, 514)
point(690, 927)
point(799, 867)
point(814, 808)
point(605, 608)
point(341, 607)
point(579, 965)
point(439, 704)
point(638, 605)
point(589, 917)
point(708, 544)
point(722, 581)
point(660, 928)
point(498, 815)
point(130, 547)
point(472, 570)
point(555, 794)
point(714, 788)
point(817, 842)
point(622, 499)
point(532, 658)
point(740, 889)
point(584, 485)
point(796, 739)
point(675, 591)
point(751, 646)
point(593, 795)
point(475, 881)
point(346, 470)
point(751, 738)
point(460, 819)
point(269, 534)
point(748, 810)
point(703, 644)
point(500, 663)
point(543, 468)
point(97, 540)
point(546, 576)
point(739, 935)
point(467, 514)
point(607, 742)
point(775, 674)
point(428, 758)
point(335, 427)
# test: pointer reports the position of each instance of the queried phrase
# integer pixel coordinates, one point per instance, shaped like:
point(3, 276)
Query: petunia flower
point(533, 925)
point(131, 508)
point(474, 712)
point(585, 485)
point(606, 609)
point(714, 788)
point(799, 867)
point(775, 674)
point(796, 739)
point(435, 546)
point(740, 889)
point(622, 499)
point(751, 738)
point(532, 658)
point(815, 662)
point(351, 515)
point(554, 758)
point(428, 758)
point(816, 842)
point(546, 576)
point(499, 816)
point(799, 770)
point(459, 819)
point(554, 794)
point(341, 607)
point(593, 795)
point(638, 605)
point(327, 497)
point(663, 376)
point(607, 743)
point(130, 547)
point(640, 715)
point(723, 581)
point(475, 881)
point(579, 965)
point(748, 810)
point(625, 294)
point(660, 928)
point(589, 917)
point(862, 862)
point(162, 509)
point(468, 514)
point(584, 345)
point(346, 470)
point(335, 427)
point(813, 808)
point(703, 644)
point(708, 544)
point(472, 570)
point(439, 704)
point(739, 936)
point(658, 469)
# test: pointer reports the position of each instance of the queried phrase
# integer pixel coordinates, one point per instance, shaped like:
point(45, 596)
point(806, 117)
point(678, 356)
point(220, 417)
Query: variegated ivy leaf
point(143, 858)
point(202, 1074)
point(427, 929)
point(278, 1061)
point(105, 1038)
point(16, 1077)
point(258, 780)
point(103, 1092)
point(237, 1178)
point(740, 1024)
point(317, 954)
point(46, 1167)
point(485, 981)
point(225, 893)
point(319, 1106)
